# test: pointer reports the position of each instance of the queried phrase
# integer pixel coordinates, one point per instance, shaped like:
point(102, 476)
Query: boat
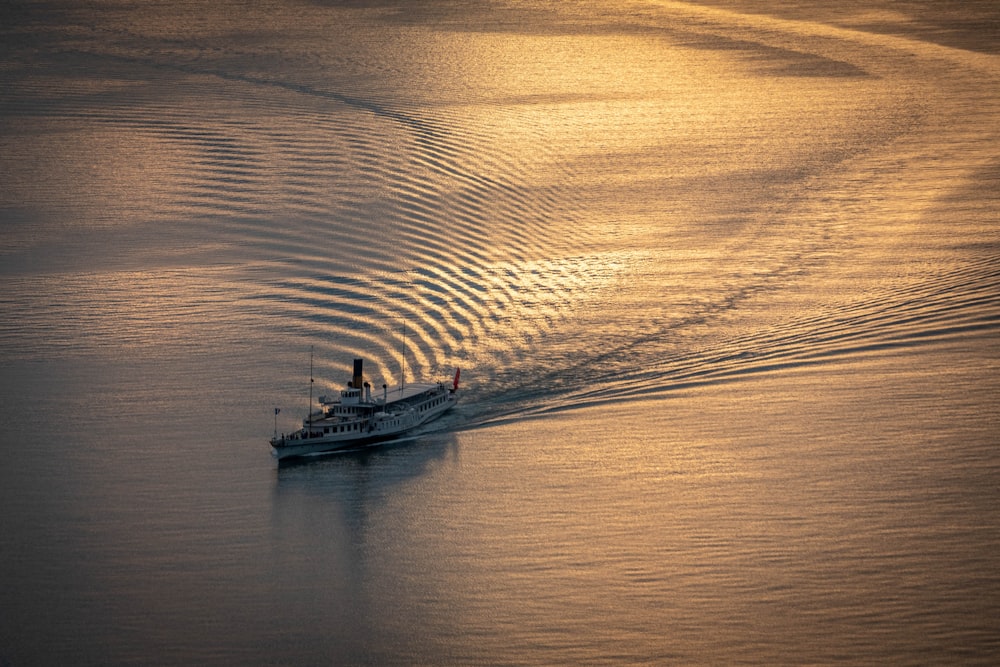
point(355, 418)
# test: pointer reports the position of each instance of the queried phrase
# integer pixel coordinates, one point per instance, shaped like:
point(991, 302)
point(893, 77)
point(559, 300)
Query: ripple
point(487, 226)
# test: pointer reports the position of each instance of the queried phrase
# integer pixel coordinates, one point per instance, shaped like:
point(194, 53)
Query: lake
point(722, 279)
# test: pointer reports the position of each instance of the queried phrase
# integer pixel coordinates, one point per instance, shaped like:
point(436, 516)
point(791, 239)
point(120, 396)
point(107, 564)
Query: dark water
point(724, 288)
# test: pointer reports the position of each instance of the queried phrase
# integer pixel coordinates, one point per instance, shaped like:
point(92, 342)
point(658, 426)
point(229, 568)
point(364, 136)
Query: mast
point(402, 364)
point(310, 411)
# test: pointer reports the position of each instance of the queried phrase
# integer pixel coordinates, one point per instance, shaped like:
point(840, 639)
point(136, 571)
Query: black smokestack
point(358, 374)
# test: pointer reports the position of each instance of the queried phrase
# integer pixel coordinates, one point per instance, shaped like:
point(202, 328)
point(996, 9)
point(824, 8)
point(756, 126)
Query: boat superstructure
point(356, 417)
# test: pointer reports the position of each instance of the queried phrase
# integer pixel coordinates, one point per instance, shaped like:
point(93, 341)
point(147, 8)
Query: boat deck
point(409, 391)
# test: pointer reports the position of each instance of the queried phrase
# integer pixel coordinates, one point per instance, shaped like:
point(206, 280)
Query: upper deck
point(400, 395)
point(370, 399)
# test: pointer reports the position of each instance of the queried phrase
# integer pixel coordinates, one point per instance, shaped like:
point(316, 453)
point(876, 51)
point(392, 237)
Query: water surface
point(722, 280)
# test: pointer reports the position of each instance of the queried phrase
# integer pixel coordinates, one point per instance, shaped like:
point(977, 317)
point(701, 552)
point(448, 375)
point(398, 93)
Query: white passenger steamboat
point(356, 418)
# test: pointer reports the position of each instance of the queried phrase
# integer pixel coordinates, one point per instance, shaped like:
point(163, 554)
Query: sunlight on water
point(722, 280)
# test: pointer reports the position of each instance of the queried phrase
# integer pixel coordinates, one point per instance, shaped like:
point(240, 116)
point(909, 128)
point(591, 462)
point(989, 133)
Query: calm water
point(724, 288)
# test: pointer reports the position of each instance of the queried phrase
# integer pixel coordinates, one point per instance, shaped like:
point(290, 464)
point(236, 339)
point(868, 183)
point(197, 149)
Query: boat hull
point(285, 449)
point(296, 446)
